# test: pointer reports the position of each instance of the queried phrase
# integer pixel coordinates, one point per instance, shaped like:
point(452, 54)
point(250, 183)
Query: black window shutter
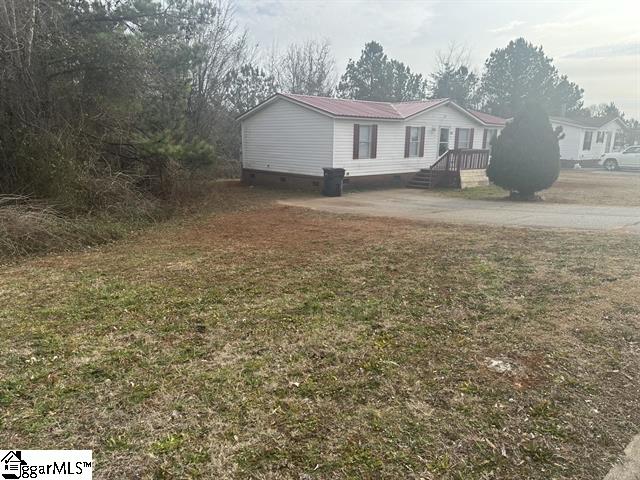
point(356, 139)
point(374, 141)
point(407, 138)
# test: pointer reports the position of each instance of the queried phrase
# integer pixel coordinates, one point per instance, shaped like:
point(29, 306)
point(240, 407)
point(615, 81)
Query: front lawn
point(272, 342)
point(585, 187)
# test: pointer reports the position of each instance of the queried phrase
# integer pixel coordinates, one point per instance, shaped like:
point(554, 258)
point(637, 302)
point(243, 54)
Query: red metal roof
point(341, 107)
point(487, 118)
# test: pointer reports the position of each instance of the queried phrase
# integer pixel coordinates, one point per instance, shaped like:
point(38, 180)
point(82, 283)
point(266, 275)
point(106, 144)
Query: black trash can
point(332, 186)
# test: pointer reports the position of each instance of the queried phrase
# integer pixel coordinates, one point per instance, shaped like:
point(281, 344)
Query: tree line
point(97, 96)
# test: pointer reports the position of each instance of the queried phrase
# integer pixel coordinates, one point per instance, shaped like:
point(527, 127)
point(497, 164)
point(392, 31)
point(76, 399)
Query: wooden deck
point(446, 171)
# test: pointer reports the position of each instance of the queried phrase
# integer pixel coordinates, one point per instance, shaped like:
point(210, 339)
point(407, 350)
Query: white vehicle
point(628, 158)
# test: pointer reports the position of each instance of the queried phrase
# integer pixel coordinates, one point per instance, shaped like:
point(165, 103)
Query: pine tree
point(246, 87)
point(375, 77)
point(521, 73)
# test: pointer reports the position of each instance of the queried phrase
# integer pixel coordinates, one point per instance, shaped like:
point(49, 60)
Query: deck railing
point(456, 160)
point(471, 159)
point(446, 170)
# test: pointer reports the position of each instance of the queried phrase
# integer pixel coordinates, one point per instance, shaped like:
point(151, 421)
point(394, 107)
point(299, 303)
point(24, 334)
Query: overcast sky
point(595, 43)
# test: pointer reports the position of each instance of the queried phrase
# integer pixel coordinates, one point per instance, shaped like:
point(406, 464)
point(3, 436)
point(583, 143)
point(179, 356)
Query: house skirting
point(583, 163)
point(313, 183)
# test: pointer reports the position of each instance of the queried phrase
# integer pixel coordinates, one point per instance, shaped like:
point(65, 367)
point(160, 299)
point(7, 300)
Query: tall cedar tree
point(522, 73)
point(375, 77)
point(525, 157)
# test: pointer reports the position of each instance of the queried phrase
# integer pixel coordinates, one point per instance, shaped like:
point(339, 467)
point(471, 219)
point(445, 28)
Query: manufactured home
point(289, 139)
point(586, 140)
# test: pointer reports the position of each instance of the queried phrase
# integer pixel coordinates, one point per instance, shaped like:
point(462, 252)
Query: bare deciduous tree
point(225, 48)
point(453, 77)
point(307, 68)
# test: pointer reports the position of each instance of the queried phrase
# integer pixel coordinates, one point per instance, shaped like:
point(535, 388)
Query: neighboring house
point(586, 140)
point(289, 139)
point(632, 136)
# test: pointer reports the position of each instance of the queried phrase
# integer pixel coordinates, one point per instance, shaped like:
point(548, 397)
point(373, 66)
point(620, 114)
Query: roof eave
point(570, 123)
point(620, 120)
point(471, 115)
point(275, 96)
point(258, 107)
point(576, 123)
point(443, 101)
point(271, 99)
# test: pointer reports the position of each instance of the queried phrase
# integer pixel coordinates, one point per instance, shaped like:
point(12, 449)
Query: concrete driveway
point(422, 205)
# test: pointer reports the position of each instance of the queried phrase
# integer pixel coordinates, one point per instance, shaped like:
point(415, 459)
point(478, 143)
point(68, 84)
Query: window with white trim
point(364, 145)
point(464, 138)
point(414, 141)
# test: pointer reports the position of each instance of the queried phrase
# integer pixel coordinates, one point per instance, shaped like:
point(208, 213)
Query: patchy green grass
point(270, 342)
point(489, 192)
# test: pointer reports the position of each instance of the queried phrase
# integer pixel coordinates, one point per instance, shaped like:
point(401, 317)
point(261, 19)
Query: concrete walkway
point(629, 469)
point(422, 205)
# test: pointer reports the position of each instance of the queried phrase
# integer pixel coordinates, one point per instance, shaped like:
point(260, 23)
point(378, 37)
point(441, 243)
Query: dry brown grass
point(111, 208)
point(28, 227)
point(589, 188)
point(271, 342)
point(584, 187)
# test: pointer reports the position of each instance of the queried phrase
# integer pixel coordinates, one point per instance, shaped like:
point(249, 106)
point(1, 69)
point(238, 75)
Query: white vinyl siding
point(288, 138)
point(391, 141)
point(570, 144)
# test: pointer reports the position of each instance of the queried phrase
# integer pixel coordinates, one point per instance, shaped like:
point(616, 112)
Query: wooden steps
point(446, 171)
point(422, 179)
